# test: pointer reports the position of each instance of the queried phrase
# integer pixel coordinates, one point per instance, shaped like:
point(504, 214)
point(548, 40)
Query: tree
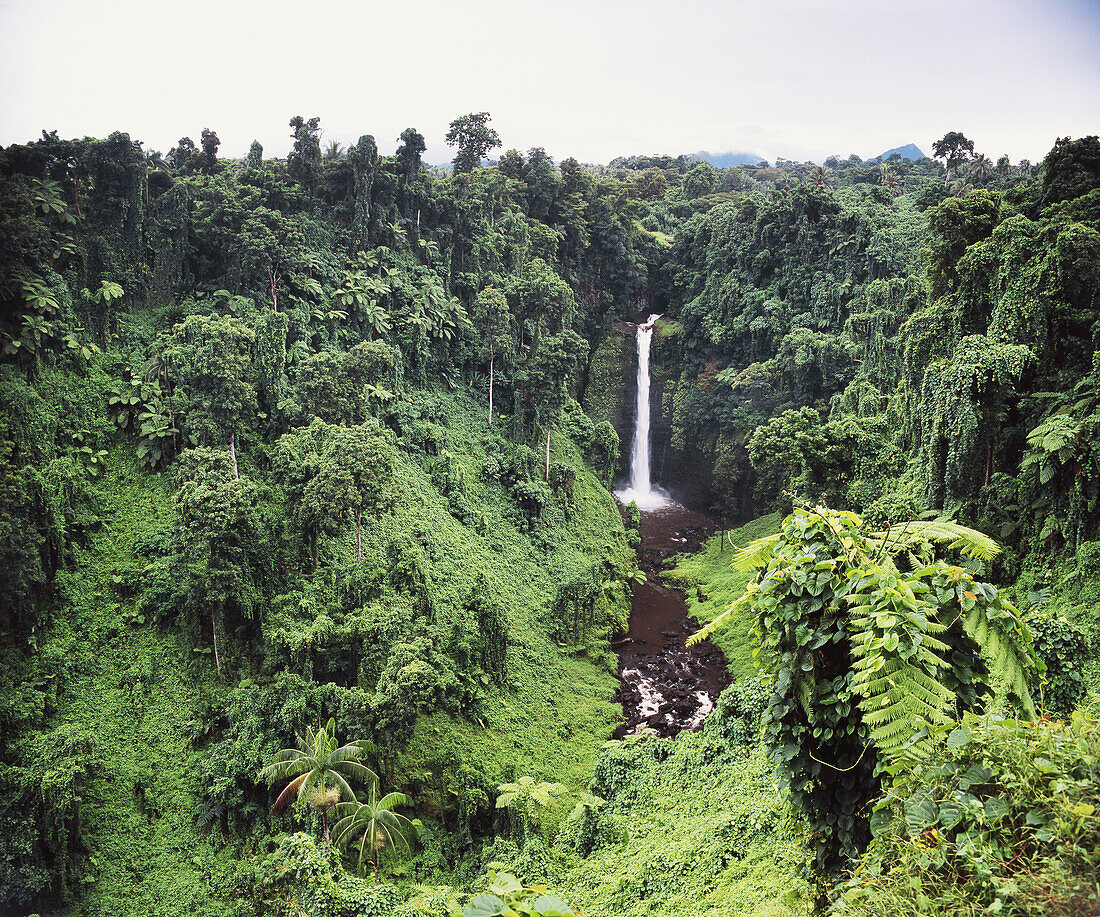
point(318, 770)
point(305, 161)
point(331, 471)
point(700, 181)
point(871, 648)
point(547, 377)
point(255, 157)
point(494, 325)
point(650, 185)
point(980, 168)
point(217, 542)
point(211, 357)
point(1071, 169)
point(824, 177)
point(376, 825)
point(474, 138)
point(953, 149)
point(210, 144)
point(409, 151)
point(544, 298)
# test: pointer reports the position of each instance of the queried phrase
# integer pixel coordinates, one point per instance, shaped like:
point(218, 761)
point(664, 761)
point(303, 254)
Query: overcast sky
point(595, 79)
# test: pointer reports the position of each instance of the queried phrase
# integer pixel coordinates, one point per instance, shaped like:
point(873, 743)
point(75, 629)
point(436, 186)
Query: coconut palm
point(980, 168)
point(821, 177)
point(889, 180)
point(374, 827)
point(318, 767)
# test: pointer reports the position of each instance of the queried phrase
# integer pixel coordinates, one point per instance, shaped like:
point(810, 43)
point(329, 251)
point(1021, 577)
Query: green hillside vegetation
point(316, 452)
point(711, 584)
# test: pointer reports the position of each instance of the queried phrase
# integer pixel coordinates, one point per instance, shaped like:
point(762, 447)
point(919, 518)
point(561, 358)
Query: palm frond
point(289, 792)
point(719, 621)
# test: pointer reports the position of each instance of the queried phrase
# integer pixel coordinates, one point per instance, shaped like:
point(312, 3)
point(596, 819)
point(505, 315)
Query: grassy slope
point(137, 685)
point(711, 585)
point(135, 688)
point(698, 833)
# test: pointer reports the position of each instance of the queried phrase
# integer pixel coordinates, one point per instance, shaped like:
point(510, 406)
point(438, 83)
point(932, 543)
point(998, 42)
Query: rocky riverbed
point(667, 686)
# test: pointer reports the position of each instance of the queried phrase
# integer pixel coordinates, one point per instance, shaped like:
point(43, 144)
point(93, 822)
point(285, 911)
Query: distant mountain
point(725, 160)
point(909, 151)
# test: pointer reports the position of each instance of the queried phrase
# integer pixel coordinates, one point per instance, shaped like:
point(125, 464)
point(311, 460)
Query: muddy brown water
point(667, 686)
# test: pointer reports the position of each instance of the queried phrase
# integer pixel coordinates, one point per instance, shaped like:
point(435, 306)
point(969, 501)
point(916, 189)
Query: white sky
point(596, 79)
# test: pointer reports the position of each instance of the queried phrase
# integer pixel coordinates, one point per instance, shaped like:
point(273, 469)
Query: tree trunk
point(214, 628)
point(358, 536)
point(274, 292)
point(546, 478)
point(324, 816)
point(233, 455)
point(492, 357)
point(988, 461)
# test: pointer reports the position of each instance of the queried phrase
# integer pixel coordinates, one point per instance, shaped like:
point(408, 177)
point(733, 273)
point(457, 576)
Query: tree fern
point(856, 653)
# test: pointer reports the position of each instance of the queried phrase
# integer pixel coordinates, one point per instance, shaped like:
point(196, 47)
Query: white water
point(641, 489)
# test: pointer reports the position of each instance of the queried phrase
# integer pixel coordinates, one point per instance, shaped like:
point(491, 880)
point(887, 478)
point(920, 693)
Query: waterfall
point(641, 490)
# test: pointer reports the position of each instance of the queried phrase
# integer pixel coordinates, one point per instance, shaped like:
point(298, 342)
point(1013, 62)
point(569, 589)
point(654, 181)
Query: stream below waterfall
point(667, 686)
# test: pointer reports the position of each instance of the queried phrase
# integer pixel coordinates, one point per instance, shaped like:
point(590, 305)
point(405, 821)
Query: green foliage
point(1063, 649)
point(1003, 819)
point(318, 761)
point(525, 798)
point(508, 897)
point(867, 663)
point(377, 826)
point(474, 138)
point(711, 584)
point(298, 876)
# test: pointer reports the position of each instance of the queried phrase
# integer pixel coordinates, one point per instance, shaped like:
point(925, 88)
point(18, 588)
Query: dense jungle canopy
point(305, 475)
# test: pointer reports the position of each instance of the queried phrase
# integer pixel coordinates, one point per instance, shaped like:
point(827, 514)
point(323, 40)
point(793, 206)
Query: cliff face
point(611, 386)
point(701, 468)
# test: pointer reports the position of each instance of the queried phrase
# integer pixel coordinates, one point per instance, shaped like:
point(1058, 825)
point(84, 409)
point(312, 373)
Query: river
point(667, 686)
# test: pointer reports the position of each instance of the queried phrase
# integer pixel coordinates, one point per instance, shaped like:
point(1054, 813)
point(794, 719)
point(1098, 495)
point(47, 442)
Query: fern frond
point(717, 623)
point(756, 553)
point(902, 536)
point(1008, 667)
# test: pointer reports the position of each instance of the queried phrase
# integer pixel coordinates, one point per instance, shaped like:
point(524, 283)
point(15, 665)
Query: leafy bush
point(1003, 819)
point(1063, 648)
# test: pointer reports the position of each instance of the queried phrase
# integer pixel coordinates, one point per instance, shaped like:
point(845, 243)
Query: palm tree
point(376, 825)
point(980, 168)
point(821, 177)
point(888, 178)
point(318, 767)
point(961, 187)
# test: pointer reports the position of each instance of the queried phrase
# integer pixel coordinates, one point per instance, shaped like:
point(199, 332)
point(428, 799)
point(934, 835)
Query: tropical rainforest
point(312, 574)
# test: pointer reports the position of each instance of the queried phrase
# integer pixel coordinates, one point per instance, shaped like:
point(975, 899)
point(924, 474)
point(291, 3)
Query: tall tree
point(212, 359)
point(331, 471)
point(305, 161)
point(217, 543)
point(954, 149)
point(494, 324)
point(474, 138)
point(410, 148)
